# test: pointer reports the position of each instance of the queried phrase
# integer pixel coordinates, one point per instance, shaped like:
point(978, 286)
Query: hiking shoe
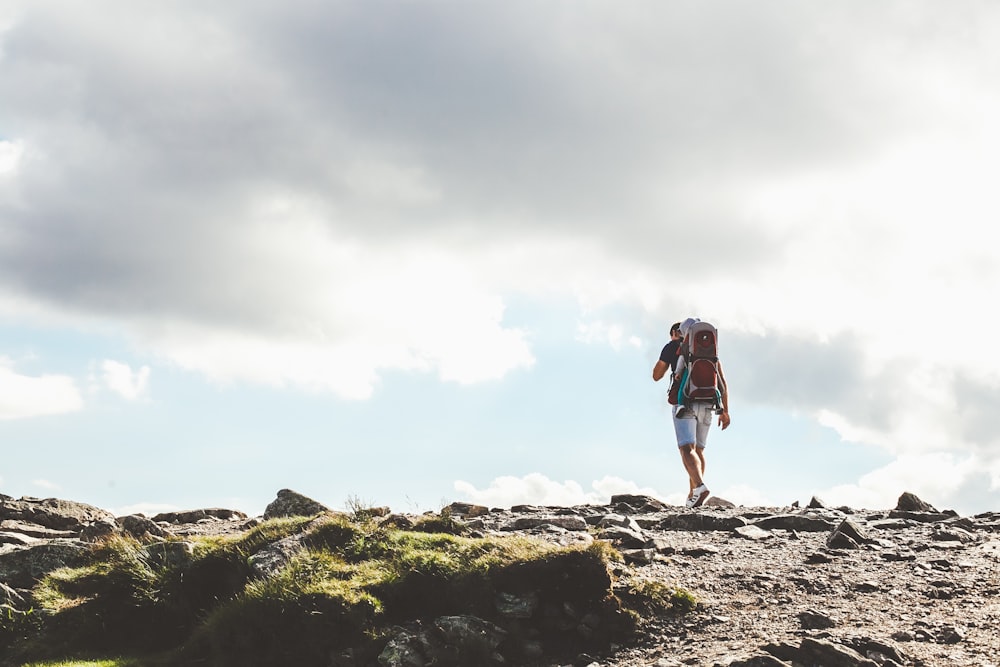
point(698, 496)
point(689, 503)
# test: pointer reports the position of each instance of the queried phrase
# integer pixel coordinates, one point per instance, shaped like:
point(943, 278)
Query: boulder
point(699, 521)
point(800, 522)
point(99, 530)
point(909, 502)
point(194, 516)
point(52, 513)
point(824, 652)
point(275, 556)
point(564, 522)
point(466, 510)
point(639, 502)
point(139, 526)
point(450, 640)
point(34, 530)
point(23, 568)
point(290, 503)
point(847, 535)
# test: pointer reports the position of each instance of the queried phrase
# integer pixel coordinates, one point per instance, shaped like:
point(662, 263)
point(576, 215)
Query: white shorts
point(693, 428)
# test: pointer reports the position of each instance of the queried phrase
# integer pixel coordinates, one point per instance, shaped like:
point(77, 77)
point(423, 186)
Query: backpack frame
point(701, 379)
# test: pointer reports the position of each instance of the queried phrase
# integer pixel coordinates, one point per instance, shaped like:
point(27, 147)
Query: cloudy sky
point(409, 253)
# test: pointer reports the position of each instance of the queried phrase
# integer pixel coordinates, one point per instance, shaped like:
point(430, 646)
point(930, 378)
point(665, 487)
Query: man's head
point(675, 330)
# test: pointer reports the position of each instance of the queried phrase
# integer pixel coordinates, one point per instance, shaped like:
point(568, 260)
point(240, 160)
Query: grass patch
point(341, 584)
point(656, 597)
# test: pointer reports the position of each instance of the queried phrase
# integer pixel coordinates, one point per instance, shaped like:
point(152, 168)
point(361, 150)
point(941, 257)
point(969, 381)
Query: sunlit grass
point(342, 583)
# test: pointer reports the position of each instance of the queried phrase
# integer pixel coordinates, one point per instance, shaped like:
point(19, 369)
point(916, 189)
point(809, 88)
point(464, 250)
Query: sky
point(413, 253)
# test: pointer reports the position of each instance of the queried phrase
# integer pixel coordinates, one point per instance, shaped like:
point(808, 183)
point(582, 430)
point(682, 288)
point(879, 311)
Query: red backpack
point(701, 380)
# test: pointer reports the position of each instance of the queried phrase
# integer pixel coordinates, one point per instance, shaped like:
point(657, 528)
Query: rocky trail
point(800, 585)
point(809, 585)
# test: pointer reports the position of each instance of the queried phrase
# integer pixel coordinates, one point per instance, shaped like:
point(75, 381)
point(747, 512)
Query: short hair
point(675, 328)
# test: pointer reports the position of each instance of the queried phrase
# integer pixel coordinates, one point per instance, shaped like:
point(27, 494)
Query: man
point(668, 356)
point(692, 426)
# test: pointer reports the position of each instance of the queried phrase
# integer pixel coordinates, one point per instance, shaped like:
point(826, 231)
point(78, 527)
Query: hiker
point(668, 356)
point(694, 411)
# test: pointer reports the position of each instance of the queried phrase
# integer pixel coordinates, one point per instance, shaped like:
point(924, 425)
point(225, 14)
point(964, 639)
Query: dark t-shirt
point(669, 354)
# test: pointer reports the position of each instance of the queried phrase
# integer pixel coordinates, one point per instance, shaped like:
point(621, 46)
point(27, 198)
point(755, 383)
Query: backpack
point(701, 380)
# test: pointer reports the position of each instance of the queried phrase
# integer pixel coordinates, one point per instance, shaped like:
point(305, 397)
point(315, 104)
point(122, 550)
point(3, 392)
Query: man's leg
point(699, 452)
point(694, 464)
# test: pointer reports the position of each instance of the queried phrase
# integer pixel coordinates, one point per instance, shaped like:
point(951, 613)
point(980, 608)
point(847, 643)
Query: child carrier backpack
point(701, 380)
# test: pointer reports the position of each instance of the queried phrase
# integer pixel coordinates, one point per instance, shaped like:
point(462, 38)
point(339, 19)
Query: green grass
point(351, 580)
point(655, 597)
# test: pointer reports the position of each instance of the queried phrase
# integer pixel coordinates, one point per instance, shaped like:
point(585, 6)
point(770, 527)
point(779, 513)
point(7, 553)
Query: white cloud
point(10, 156)
point(598, 331)
point(121, 379)
point(46, 484)
point(23, 396)
point(327, 313)
point(933, 476)
point(145, 508)
point(537, 489)
point(747, 496)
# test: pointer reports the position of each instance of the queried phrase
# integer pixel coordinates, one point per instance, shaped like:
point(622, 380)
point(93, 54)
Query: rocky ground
point(774, 586)
point(815, 586)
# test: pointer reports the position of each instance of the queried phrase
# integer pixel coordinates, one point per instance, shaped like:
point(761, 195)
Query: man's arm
point(659, 370)
point(724, 417)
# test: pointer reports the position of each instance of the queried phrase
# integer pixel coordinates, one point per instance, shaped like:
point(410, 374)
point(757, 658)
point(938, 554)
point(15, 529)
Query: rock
point(52, 513)
point(472, 636)
point(99, 530)
point(950, 634)
point(816, 503)
point(194, 516)
point(702, 521)
point(640, 503)
point(811, 619)
point(955, 534)
point(275, 556)
point(715, 501)
point(398, 521)
point(173, 554)
point(823, 652)
point(700, 550)
point(564, 522)
point(451, 640)
point(639, 556)
point(880, 651)
point(616, 520)
point(625, 538)
point(19, 539)
point(290, 503)
point(139, 526)
point(402, 650)
point(802, 522)
point(465, 510)
point(22, 568)
point(753, 532)
point(34, 530)
point(847, 535)
point(512, 605)
point(909, 502)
